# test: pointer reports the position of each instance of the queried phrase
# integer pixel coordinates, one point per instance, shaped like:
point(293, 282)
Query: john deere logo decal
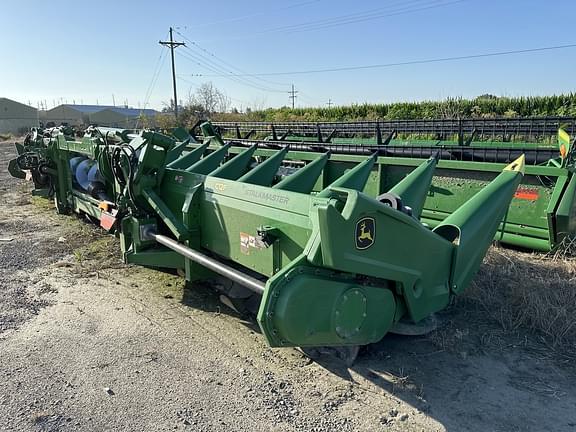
point(365, 233)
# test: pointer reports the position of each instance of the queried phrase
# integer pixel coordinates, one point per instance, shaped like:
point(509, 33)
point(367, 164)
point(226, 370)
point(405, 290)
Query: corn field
point(486, 106)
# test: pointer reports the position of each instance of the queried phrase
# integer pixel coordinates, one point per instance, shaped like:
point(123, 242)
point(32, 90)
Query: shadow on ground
point(469, 374)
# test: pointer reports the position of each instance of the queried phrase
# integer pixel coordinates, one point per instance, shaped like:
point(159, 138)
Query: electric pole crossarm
point(172, 45)
point(292, 96)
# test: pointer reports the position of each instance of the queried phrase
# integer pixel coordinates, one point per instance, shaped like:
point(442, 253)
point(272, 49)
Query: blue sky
point(86, 52)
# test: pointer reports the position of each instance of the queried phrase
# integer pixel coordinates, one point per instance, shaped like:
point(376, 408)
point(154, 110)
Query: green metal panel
point(355, 178)
point(176, 152)
point(306, 178)
point(414, 188)
point(236, 166)
point(160, 259)
point(452, 188)
point(265, 172)
point(189, 158)
point(311, 307)
point(479, 218)
point(566, 212)
point(232, 214)
point(210, 162)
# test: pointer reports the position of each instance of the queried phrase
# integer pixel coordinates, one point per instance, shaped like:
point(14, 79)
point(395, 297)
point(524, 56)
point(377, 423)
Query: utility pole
point(171, 44)
point(329, 103)
point(292, 95)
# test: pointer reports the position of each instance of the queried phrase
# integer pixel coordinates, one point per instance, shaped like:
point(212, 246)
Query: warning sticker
point(245, 243)
point(526, 194)
point(248, 242)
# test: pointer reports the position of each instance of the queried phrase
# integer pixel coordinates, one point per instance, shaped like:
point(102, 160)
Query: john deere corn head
point(330, 259)
point(471, 153)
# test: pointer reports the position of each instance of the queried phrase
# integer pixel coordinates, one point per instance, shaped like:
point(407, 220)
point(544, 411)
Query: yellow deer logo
point(365, 233)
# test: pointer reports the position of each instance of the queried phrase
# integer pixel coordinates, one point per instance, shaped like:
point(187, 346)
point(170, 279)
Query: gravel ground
point(89, 344)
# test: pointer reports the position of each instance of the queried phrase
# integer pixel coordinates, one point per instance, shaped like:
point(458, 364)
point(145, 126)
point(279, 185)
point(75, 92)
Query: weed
point(528, 291)
point(78, 256)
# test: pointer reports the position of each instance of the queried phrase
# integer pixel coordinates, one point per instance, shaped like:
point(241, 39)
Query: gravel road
point(90, 344)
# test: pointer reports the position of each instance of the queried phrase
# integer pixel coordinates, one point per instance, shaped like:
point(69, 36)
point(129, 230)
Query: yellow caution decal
point(517, 165)
point(563, 143)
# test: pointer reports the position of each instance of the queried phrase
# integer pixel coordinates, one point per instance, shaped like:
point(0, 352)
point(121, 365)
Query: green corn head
point(331, 245)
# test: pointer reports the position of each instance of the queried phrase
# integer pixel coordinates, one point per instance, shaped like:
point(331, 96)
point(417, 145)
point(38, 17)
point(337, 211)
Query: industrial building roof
point(128, 112)
point(133, 112)
point(87, 109)
point(6, 100)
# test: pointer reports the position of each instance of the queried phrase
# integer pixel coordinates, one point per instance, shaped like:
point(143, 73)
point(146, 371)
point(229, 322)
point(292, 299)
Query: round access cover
point(350, 313)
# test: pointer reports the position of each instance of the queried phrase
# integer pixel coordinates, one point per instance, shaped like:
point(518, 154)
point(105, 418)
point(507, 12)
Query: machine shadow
point(468, 374)
point(202, 296)
point(396, 365)
point(382, 364)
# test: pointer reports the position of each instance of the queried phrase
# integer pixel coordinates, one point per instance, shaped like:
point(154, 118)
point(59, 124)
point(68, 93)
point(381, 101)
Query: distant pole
point(292, 95)
point(171, 44)
point(113, 100)
point(329, 103)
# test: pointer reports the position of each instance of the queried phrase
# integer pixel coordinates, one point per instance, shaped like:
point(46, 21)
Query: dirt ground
point(90, 344)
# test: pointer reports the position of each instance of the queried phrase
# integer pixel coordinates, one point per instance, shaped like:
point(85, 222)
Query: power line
point(230, 97)
point(192, 84)
point(172, 45)
point(394, 9)
point(329, 103)
point(157, 69)
point(212, 63)
point(206, 64)
point(398, 8)
point(241, 18)
point(155, 75)
point(223, 62)
point(408, 63)
point(311, 100)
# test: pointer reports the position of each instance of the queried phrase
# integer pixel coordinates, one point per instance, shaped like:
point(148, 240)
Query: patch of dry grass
point(524, 291)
